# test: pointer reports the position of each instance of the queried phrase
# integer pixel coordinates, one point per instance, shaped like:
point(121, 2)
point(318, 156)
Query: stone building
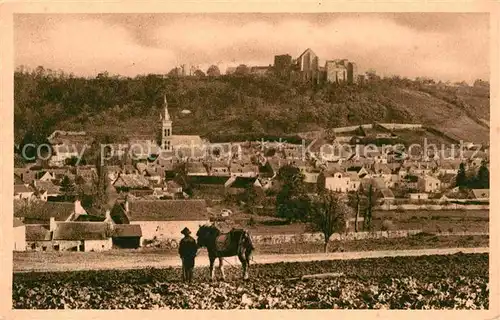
point(283, 65)
point(307, 65)
point(341, 70)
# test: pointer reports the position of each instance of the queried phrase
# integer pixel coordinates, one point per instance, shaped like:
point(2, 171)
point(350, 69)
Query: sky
point(442, 46)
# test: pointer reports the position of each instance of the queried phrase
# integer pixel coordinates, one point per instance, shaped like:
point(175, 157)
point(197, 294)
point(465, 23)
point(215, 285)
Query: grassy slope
point(387, 104)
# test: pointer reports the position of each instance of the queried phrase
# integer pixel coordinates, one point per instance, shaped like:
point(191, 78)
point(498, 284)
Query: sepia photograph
point(315, 160)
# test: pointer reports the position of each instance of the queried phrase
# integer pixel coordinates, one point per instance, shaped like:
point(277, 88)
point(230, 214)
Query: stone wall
point(400, 126)
point(318, 237)
point(451, 206)
point(352, 128)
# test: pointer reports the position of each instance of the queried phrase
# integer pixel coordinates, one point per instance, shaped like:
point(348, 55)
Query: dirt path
point(102, 262)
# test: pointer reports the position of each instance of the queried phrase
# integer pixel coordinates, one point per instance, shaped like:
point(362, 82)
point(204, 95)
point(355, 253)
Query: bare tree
point(356, 201)
point(328, 215)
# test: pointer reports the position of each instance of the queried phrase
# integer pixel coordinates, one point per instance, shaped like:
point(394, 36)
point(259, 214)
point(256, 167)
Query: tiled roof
point(21, 188)
point(352, 175)
point(381, 168)
point(127, 230)
point(81, 231)
point(447, 178)
point(48, 186)
point(42, 213)
point(242, 182)
point(243, 168)
point(211, 180)
point(167, 210)
point(38, 232)
point(90, 217)
point(131, 181)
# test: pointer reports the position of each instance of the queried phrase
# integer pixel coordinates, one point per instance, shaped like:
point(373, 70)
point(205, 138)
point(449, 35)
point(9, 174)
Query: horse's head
point(206, 234)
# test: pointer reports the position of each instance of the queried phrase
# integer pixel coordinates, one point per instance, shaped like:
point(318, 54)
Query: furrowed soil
point(458, 281)
point(155, 257)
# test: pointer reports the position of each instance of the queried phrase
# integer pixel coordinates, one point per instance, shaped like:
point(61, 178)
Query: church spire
point(165, 105)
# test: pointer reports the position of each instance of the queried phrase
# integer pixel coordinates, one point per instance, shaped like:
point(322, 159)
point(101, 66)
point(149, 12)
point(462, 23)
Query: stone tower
point(166, 128)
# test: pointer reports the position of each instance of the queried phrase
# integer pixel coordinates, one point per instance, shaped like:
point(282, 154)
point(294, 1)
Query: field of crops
point(457, 281)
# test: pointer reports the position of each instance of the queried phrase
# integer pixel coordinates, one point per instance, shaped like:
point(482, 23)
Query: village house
point(418, 196)
point(62, 152)
point(162, 219)
point(45, 176)
point(481, 194)
point(38, 237)
point(448, 167)
point(19, 235)
point(410, 181)
point(219, 168)
point(337, 181)
point(81, 232)
point(237, 185)
point(127, 236)
point(196, 168)
point(243, 170)
point(419, 168)
point(46, 189)
point(23, 192)
point(25, 174)
point(128, 182)
point(354, 181)
point(428, 184)
point(41, 212)
point(386, 195)
point(81, 236)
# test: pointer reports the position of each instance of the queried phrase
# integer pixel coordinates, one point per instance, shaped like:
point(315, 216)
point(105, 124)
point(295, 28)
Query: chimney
point(53, 224)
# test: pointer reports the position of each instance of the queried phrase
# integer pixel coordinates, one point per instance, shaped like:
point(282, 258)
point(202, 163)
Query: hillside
point(232, 107)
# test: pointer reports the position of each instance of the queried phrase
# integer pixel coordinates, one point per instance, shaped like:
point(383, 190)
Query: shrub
point(400, 209)
point(251, 222)
point(388, 225)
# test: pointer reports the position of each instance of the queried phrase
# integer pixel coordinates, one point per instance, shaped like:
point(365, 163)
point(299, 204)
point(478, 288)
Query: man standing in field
point(187, 250)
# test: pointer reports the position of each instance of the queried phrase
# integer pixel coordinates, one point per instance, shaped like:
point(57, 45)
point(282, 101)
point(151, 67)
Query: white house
point(163, 219)
point(337, 181)
point(428, 184)
point(243, 170)
point(61, 152)
point(19, 243)
point(23, 192)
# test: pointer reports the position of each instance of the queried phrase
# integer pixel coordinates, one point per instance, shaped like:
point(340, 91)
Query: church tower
point(166, 128)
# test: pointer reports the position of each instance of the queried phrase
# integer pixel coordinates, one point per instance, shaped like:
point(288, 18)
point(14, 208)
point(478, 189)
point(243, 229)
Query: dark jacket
point(188, 247)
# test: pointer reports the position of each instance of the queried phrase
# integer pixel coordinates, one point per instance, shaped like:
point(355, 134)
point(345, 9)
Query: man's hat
point(185, 231)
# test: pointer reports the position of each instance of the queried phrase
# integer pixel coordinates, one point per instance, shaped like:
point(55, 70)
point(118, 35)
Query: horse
point(236, 242)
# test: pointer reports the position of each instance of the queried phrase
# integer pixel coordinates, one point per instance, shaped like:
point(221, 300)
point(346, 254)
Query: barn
point(162, 219)
point(127, 236)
